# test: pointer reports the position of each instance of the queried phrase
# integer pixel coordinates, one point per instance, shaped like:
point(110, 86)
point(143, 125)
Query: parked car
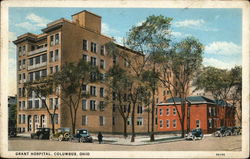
point(228, 131)
point(82, 135)
point(41, 133)
point(236, 130)
point(12, 132)
point(195, 134)
point(62, 134)
point(220, 132)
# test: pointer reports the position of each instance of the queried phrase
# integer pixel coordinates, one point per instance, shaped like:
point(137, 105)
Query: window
point(51, 70)
point(93, 90)
point(37, 59)
point(30, 104)
point(174, 123)
point(93, 47)
point(139, 110)
point(160, 112)
point(19, 119)
point(24, 48)
point(20, 105)
point(101, 92)
point(102, 65)
point(101, 105)
point(129, 121)
point(174, 111)
point(101, 76)
point(23, 92)
point(113, 96)
point(23, 104)
point(85, 57)
point(84, 120)
point(44, 58)
point(198, 123)
point(36, 103)
point(19, 65)
point(51, 56)
point(56, 55)
point(102, 120)
point(209, 111)
point(32, 47)
point(24, 77)
point(51, 103)
point(84, 105)
point(56, 68)
point(210, 123)
point(24, 119)
point(43, 103)
point(36, 118)
point(92, 105)
point(161, 123)
point(37, 75)
point(214, 111)
point(167, 111)
point(56, 102)
point(139, 121)
point(31, 61)
point(93, 61)
point(102, 50)
point(31, 76)
point(24, 61)
point(114, 59)
point(51, 40)
point(85, 45)
point(167, 123)
point(126, 64)
point(20, 49)
point(20, 92)
point(20, 77)
point(57, 39)
point(44, 73)
point(113, 107)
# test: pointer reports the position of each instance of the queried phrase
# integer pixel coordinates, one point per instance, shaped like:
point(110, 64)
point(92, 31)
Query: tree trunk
point(52, 123)
point(133, 123)
point(152, 137)
point(74, 121)
point(148, 118)
point(125, 128)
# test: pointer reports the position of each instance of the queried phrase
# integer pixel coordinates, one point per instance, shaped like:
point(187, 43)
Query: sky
point(219, 30)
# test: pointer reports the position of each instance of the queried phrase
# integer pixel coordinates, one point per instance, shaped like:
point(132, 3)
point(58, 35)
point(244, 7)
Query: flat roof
point(87, 12)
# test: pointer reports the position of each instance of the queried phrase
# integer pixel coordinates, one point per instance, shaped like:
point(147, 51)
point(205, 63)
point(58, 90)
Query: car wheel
point(60, 138)
point(40, 137)
point(193, 138)
point(82, 139)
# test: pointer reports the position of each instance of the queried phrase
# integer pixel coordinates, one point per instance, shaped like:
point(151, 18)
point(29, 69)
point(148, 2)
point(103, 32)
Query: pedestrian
point(100, 137)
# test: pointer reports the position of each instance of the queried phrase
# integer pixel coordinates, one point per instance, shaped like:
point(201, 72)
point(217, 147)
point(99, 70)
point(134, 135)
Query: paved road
point(229, 143)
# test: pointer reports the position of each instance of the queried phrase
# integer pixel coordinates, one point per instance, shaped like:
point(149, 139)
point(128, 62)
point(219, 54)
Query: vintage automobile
point(195, 134)
point(236, 130)
point(82, 135)
point(62, 134)
point(41, 133)
point(12, 132)
point(221, 132)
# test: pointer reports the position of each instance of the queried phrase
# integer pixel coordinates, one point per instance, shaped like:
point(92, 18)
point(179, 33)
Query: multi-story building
point(201, 112)
point(65, 41)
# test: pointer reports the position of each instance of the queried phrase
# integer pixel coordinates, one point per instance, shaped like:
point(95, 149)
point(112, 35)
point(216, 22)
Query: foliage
point(42, 88)
point(71, 79)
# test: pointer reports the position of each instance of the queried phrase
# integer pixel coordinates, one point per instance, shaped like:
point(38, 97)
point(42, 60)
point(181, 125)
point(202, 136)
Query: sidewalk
point(139, 140)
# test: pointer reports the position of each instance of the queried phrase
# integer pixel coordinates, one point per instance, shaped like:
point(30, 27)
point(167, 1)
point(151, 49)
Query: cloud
point(33, 22)
point(39, 21)
point(223, 48)
point(119, 40)
point(107, 30)
point(179, 34)
point(220, 64)
point(189, 23)
point(198, 24)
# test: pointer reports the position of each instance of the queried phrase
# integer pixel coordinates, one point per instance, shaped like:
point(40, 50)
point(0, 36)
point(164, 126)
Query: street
point(210, 143)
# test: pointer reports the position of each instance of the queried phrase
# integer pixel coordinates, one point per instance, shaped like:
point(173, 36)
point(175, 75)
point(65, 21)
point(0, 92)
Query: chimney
point(88, 20)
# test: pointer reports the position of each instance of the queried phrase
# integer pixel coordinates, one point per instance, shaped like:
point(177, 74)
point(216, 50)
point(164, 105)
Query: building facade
point(201, 113)
point(64, 41)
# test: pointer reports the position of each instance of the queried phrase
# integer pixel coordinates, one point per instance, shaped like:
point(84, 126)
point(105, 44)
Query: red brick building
point(201, 112)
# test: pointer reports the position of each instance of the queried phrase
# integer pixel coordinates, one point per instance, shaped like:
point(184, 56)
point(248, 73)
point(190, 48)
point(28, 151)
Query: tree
point(72, 80)
point(42, 89)
point(223, 84)
point(180, 65)
point(119, 84)
point(152, 39)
